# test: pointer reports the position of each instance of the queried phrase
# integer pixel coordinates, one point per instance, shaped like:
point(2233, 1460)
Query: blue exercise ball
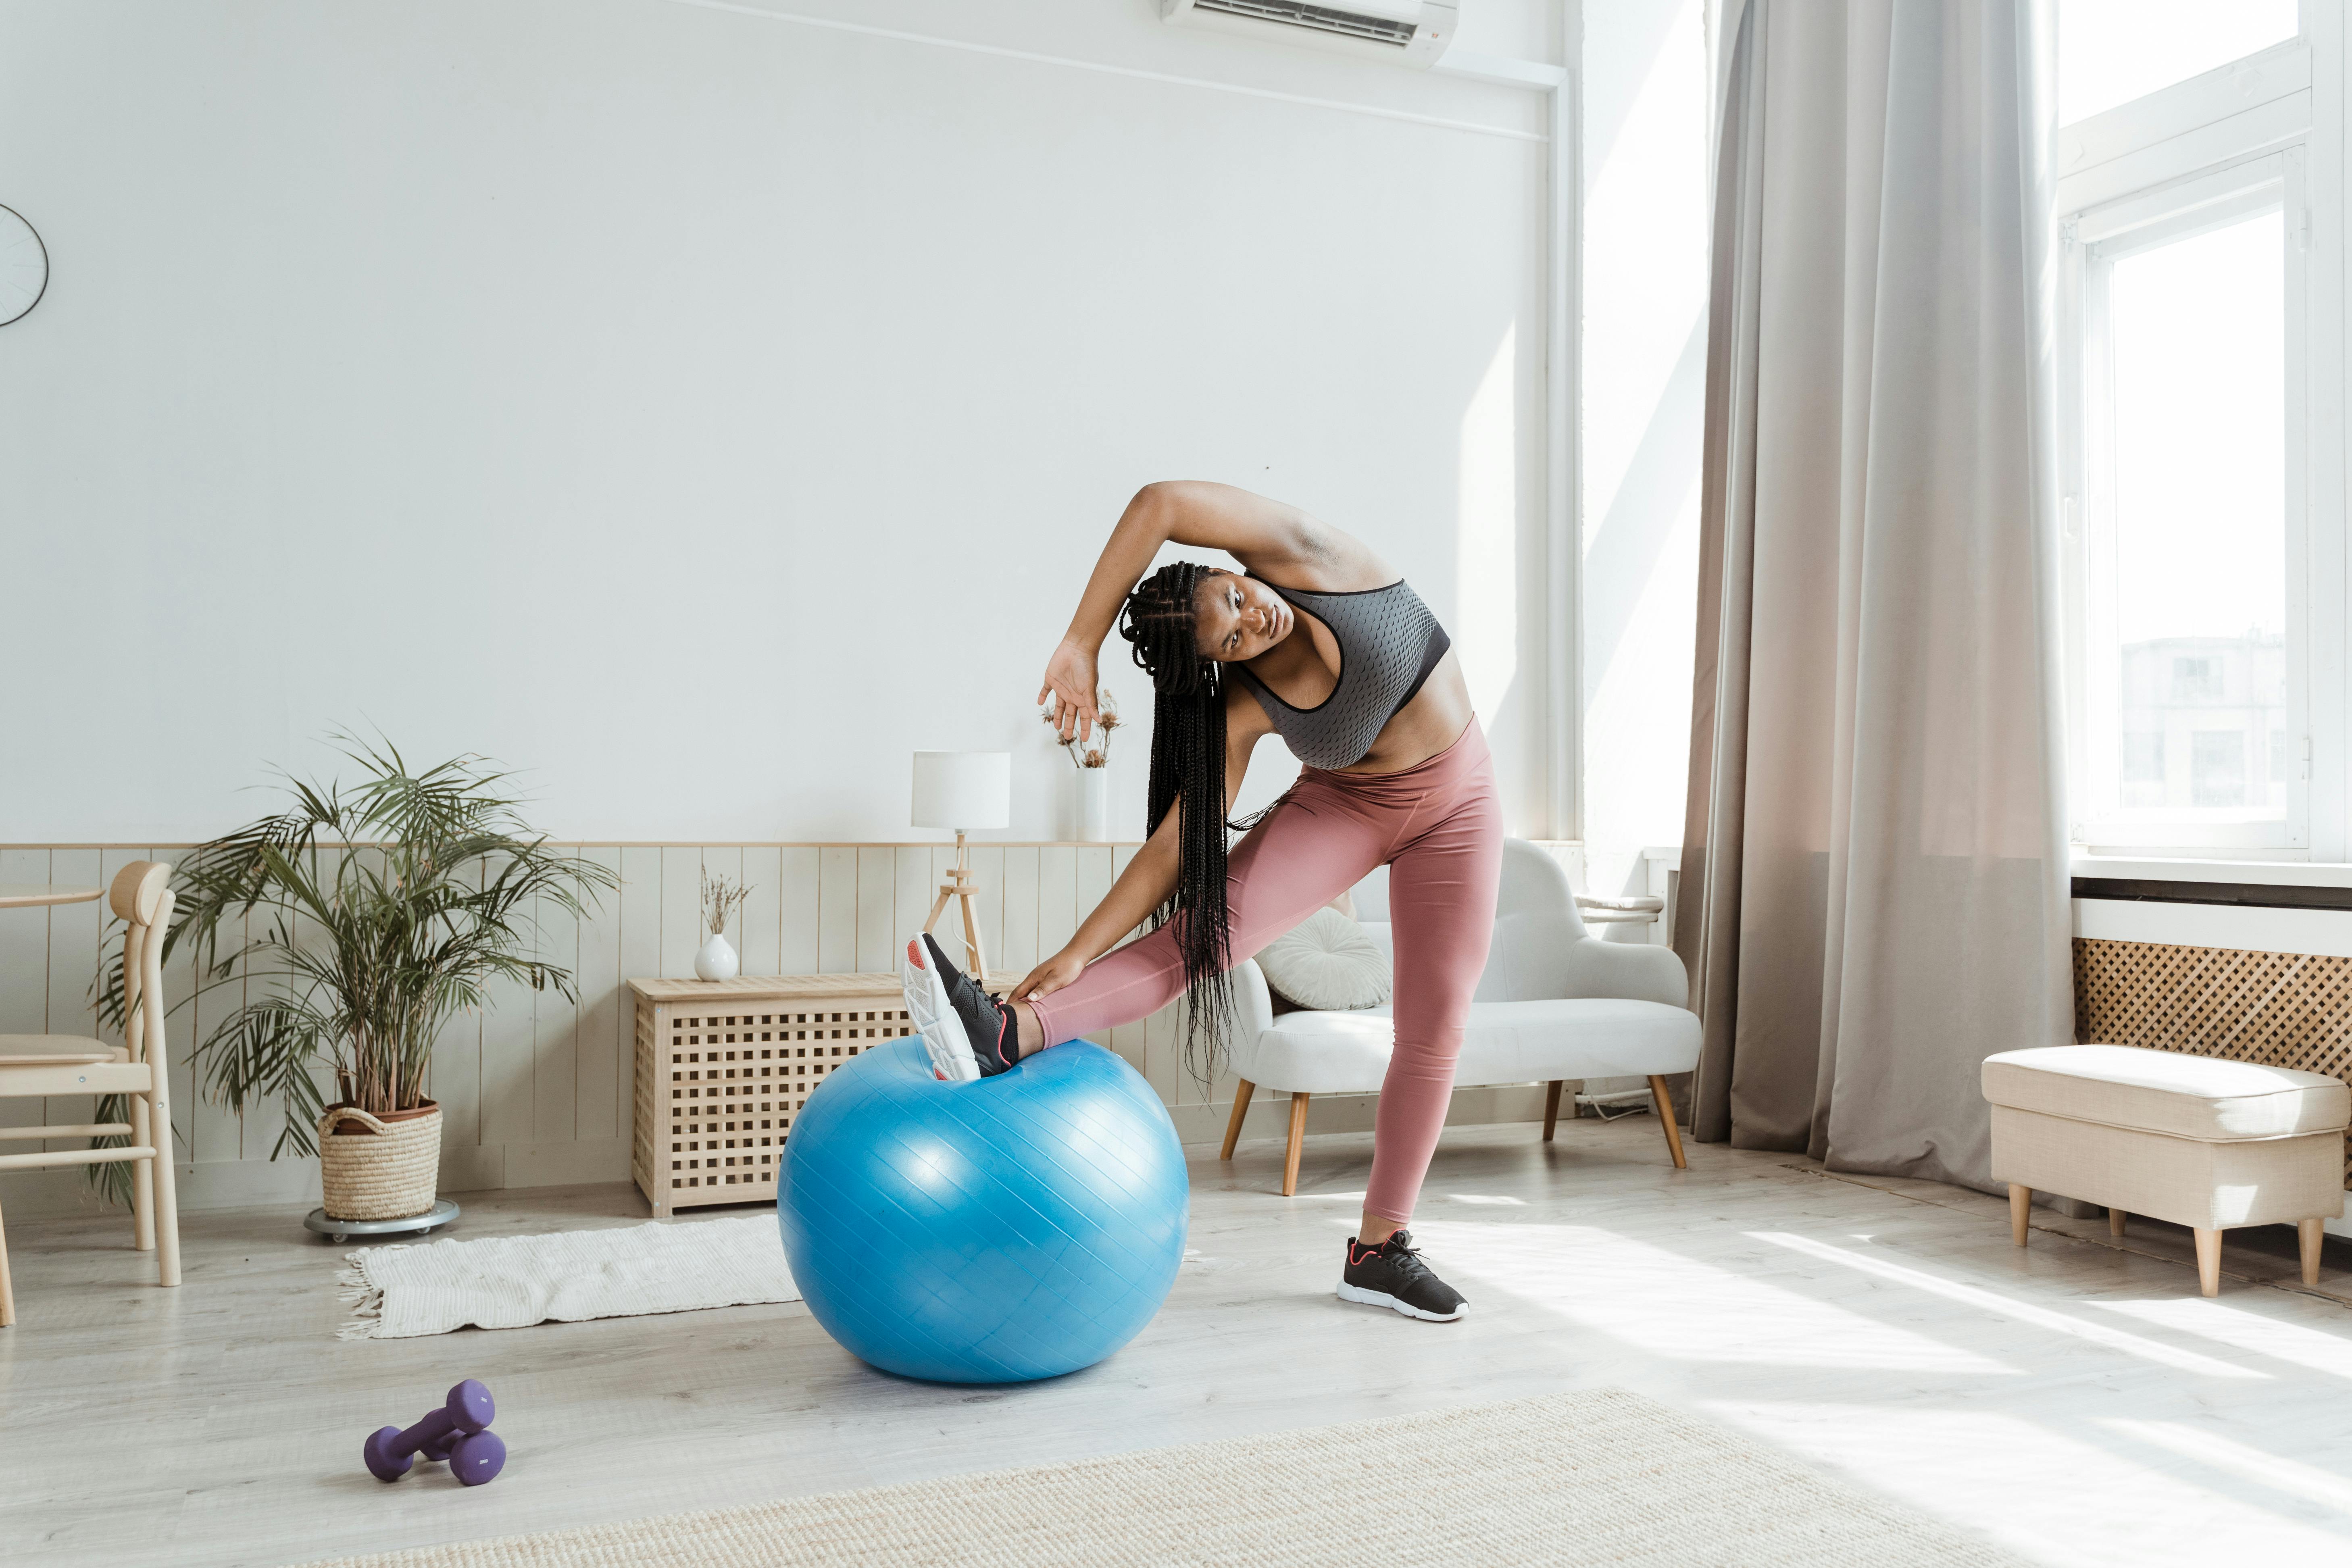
point(1001, 1230)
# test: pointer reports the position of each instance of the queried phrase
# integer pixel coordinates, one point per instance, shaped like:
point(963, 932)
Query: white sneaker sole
point(1364, 1298)
point(943, 1031)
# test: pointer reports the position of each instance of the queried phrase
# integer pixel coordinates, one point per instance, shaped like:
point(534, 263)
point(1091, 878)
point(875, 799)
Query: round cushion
point(995, 1231)
point(1327, 964)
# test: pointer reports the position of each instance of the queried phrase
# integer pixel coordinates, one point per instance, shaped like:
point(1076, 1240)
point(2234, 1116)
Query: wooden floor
point(2076, 1400)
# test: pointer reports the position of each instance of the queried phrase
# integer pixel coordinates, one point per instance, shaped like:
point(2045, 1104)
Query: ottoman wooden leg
point(1552, 1108)
point(2021, 1202)
point(2209, 1261)
point(2311, 1233)
point(2114, 1222)
point(1242, 1089)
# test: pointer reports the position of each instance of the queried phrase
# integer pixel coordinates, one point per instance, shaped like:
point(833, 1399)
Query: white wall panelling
point(536, 1092)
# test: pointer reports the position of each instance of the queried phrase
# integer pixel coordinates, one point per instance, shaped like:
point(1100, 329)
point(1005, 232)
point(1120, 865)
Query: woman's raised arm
point(1253, 530)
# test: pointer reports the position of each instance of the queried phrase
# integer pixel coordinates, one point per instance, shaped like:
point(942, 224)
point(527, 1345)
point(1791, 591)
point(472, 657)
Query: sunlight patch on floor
point(2296, 1348)
point(1674, 1306)
point(1959, 1464)
point(2009, 1306)
point(2247, 1463)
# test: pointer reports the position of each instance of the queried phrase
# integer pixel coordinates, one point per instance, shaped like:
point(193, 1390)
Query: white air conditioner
point(1403, 32)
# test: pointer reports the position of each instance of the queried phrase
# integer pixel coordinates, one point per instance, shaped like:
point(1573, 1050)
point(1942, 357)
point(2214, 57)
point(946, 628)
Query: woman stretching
point(1340, 658)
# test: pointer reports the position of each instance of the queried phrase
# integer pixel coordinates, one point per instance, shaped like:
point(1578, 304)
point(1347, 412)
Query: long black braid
point(1188, 772)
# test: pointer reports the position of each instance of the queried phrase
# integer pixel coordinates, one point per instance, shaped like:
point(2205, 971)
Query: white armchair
point(1555, 1003)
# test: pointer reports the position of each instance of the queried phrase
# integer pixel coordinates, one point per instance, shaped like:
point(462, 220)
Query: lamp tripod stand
point(959, 886)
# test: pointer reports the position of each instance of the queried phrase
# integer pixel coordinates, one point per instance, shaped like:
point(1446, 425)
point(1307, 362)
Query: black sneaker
point(968, 1033)
point(1392, 1275)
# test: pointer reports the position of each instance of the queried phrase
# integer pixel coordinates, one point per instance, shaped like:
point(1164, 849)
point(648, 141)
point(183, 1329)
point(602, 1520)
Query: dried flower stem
point(720, 898)
point(1095, 751)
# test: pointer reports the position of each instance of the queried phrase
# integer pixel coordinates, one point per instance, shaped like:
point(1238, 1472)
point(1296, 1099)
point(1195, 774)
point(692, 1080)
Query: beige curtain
point(1873, 884)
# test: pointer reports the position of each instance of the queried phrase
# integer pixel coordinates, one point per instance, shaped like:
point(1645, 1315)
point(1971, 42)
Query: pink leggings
point(1439, 827)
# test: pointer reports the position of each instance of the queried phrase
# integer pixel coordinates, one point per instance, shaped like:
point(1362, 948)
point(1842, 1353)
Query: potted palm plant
point(360, 920)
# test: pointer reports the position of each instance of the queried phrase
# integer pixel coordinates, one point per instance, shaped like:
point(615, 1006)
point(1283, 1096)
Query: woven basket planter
point(378, 1167)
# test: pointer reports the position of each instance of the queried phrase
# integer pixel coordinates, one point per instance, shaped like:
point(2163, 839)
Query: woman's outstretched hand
point(1070, 679)
point(1050, 976)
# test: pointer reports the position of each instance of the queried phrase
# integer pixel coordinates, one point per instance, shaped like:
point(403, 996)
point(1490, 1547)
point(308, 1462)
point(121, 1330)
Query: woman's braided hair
point(1188, 773)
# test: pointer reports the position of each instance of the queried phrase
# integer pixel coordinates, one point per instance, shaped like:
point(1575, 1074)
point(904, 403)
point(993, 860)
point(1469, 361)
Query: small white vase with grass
point(720, 900)
point(1091, 757)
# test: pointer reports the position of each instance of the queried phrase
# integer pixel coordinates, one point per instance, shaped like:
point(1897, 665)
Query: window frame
point(2189, 158)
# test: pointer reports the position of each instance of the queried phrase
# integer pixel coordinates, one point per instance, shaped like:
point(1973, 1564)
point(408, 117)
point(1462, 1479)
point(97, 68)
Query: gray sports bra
point(1388, 642)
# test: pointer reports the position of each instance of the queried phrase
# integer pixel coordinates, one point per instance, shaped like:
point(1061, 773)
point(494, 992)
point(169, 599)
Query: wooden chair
point(43, 1065)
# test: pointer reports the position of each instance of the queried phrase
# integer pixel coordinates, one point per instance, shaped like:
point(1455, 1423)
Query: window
point(2112, 51)
point(2186, 355)
point(2218, 768)
point(2194, 679)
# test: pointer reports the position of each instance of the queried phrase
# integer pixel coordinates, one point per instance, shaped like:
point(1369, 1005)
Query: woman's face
point(1238, 619)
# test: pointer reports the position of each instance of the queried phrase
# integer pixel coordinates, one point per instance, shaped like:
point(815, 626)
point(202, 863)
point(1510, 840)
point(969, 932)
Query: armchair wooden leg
point(7, 1293)
point(1552, 1108)
point(1667, 1115)
point(1242, 1089)
point(2209, 1261)
point(2020, 1205)
point(2114, 1222)
point(1298, 1135)
point(2311, 1233)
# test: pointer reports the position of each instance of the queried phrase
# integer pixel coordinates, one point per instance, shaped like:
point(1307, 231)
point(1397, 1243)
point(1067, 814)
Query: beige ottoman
point(2196, 1141)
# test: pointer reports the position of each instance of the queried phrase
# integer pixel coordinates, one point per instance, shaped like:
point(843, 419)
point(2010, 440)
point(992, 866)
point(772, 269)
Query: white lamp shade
point(964, 789)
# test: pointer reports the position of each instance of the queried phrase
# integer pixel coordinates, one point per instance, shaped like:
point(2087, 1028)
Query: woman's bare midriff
point(1435, 718)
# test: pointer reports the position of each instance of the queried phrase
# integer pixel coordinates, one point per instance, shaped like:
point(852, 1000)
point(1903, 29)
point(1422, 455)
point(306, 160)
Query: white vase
point(1094, 805)
point(717, 959)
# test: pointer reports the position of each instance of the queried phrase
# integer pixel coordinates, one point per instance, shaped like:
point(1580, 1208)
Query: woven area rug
point(1597, 1476)
point(514, 1281)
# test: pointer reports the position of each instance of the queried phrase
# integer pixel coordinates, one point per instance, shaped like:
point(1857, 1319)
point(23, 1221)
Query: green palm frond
point(359, 920)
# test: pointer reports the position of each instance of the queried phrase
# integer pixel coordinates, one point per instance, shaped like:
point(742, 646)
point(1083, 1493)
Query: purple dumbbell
point(459, 1431)
point(473, 1456)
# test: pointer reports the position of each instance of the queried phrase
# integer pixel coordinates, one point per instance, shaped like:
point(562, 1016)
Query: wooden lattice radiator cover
point(2281, 1009)
point(723, 1066)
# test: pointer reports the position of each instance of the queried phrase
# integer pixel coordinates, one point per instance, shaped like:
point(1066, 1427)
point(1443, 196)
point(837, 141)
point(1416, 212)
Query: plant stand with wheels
point(319, 1223)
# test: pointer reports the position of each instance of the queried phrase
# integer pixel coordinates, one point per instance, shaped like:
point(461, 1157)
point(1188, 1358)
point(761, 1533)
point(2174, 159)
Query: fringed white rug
point(514, 1281)
point(1592, 1478)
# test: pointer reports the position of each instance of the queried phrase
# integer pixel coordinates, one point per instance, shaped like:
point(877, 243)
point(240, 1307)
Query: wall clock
point(24, 267)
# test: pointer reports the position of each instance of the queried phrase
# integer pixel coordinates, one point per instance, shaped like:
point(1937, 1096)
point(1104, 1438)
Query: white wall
point(1644, 372)
point(702, 411)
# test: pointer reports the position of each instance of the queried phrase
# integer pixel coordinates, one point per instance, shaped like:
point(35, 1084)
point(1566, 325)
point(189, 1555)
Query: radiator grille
point(1322, 18)
point(2281, 1009)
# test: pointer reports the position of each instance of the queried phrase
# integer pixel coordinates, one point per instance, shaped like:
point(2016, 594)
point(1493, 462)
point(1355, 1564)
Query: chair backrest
point(1534, 920)
point(138, 892)
point(141, 896)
